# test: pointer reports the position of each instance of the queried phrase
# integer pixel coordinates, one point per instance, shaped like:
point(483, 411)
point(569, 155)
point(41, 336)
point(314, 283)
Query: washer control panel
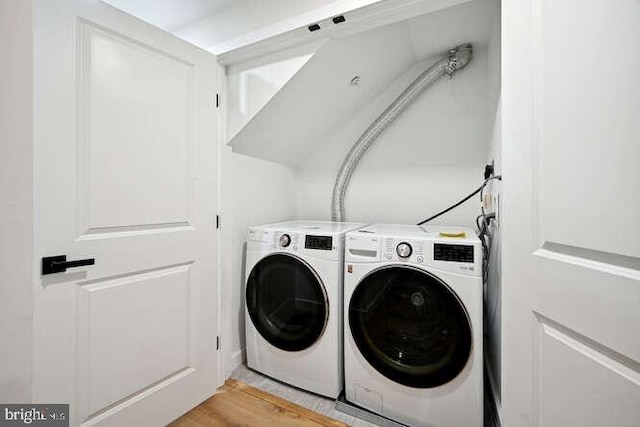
point(430, 248)
point(403, 250)
point(455, 253)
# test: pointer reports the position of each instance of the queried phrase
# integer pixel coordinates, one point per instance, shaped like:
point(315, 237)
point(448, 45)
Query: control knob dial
point(285, 240)
point(404, 250)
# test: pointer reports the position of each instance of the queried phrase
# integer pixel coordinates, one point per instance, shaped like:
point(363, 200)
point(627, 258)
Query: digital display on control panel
point(456, 253)
point(323, 243)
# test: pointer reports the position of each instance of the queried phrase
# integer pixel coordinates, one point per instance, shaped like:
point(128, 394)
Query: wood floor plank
point(238, 404)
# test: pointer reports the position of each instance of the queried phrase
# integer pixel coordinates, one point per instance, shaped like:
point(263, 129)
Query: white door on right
point(571, 213)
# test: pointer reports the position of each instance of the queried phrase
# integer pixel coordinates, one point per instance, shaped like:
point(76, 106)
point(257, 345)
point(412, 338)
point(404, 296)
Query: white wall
point(429, 158)
point(16, 201)
point(253, 192)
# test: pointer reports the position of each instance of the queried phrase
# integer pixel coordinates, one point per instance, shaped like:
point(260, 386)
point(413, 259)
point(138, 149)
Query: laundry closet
point(152, 159)
point(294, 113)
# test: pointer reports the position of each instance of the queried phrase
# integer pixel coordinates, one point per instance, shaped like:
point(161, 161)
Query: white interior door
point(571, 233)
point(126, 159)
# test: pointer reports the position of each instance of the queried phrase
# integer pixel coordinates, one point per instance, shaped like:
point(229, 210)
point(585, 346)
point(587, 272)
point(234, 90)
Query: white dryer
point(413, 324)
point(293, 293)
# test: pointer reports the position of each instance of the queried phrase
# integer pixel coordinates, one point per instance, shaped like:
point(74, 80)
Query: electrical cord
point(486, 239)
point(483, 231)
point(487, 242)
point(493, 309)
point(479, 190)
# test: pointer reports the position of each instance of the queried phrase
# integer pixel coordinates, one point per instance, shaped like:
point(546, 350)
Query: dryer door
point(287, 302)
point(410, 326)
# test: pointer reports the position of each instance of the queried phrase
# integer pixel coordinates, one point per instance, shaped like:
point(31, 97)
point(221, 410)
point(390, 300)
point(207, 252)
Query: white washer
point(293, 316)
point(413, 324)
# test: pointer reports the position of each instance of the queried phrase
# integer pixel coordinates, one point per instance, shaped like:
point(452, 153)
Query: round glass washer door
point(410, 326)
point(287, 302)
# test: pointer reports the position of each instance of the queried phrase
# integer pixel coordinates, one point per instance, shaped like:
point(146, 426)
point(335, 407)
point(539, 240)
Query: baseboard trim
point(236, 359)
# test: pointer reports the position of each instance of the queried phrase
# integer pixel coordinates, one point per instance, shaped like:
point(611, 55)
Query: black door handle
point(59, 264)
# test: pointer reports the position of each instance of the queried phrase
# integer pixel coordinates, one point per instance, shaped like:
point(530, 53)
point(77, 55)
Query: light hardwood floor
point(238, 404)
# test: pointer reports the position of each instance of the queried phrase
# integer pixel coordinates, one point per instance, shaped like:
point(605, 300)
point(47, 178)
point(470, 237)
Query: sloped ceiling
point(171, 14)
point(319, 97)
point(214, 24)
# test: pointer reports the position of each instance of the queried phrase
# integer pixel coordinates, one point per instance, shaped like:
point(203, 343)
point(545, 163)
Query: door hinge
point(218, 221)
point(217, 100)
point(218, 342)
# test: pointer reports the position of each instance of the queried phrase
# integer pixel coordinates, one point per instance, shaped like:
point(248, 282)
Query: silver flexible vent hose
point(455, 59)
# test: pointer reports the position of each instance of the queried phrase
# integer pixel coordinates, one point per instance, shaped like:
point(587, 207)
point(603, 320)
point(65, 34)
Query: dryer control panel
point(323, 243)
point(317, 245)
